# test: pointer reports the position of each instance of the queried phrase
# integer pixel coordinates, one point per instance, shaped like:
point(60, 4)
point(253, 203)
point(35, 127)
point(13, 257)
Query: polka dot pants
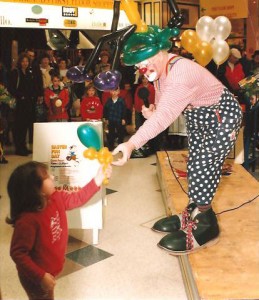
point(212, 132)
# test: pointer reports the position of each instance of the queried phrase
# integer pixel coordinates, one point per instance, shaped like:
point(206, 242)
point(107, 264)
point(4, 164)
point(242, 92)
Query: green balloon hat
point(143, 45)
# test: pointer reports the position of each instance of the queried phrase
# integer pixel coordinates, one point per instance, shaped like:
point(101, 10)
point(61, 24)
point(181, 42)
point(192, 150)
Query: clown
point(213, 119)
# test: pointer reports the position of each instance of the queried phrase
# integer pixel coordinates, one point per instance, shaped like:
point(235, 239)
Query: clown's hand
point(126, 150)
point(148, 111)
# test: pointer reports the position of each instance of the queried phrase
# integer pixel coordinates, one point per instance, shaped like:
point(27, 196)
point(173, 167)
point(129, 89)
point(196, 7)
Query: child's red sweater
point(40, 238)
point(91, 108)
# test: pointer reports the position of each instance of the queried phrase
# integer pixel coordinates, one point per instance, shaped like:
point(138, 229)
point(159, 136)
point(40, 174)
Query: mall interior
point(112, 251)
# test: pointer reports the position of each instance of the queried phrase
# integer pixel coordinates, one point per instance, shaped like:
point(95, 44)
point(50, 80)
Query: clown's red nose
point(143, 70)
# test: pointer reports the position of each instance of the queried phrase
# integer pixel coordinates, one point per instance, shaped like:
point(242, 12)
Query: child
point(91, 106)
point(57, 100)
point(38, 214)
point(114, 117)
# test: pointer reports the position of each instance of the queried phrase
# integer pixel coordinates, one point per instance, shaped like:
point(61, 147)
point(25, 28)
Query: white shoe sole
point(177, 253)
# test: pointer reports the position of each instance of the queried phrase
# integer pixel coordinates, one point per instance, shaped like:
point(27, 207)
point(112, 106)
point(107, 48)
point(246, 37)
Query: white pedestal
point(52, 144)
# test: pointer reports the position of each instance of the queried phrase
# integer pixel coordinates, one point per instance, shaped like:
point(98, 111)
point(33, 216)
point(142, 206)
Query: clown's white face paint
point(153, 67)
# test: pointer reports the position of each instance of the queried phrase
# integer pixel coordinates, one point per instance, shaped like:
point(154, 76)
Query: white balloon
point(220, 51)
point(222, 28)
point(205, 28)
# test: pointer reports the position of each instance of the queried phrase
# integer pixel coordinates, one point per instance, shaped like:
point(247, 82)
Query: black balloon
point(109, 80)
point(76, 74)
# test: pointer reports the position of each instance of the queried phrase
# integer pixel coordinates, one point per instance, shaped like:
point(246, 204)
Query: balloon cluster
point(90, 138)
point(208, 41)
point(143, 45)
point(104, 157)
point(76, 74)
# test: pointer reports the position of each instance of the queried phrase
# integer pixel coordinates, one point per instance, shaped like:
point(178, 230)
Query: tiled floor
point(126, 264)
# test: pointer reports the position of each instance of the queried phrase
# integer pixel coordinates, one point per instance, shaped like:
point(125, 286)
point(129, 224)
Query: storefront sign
point(231, 9)
point(58, 17)
point(108, 4)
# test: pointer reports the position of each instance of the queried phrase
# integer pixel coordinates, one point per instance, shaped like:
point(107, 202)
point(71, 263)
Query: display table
point(229, 269)
point(57, 144)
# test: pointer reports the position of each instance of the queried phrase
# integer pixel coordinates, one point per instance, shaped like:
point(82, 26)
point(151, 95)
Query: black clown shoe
point(174, 222)
point(202, 231)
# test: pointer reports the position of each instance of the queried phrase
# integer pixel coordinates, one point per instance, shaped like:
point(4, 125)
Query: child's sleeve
point(77, 199)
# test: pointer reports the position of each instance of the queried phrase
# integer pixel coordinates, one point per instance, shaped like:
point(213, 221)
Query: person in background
point(91, 106)
point(23, 87)
point(3, 74)
point(81, 58)
point(114, 118)
point(254, 67)
point(46, 69)
point(126, 94)
point(40, 109)
point(38, 215)
point(3, 160)
point(52, 55)
point(104, 64)
point(57, 100)
point(62, 70)
point(231, 72)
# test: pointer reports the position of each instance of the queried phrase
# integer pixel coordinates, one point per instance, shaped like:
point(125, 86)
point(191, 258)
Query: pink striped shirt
point(186, 83)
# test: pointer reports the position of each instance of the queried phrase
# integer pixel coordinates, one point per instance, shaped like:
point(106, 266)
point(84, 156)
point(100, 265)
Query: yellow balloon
point(105, 156)
point(90, 153)
point(203, 53)
point(105, 181)
point(189, 40)
point(108, 158)
point(131, 10)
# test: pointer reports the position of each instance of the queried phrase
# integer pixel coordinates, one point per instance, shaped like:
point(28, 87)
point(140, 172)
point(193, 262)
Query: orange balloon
point(131, 10)
point(103, 150)
point(189, 40)
point(90, 153)
point(108, 158)
point(203, 53)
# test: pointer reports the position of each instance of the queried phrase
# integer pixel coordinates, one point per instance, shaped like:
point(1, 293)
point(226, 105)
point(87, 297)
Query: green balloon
point(143, 45)
point(88, 136)
point(175, 31)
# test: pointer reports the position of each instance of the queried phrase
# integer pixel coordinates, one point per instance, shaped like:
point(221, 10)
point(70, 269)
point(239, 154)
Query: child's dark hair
point(24, 189)
point(90, 86)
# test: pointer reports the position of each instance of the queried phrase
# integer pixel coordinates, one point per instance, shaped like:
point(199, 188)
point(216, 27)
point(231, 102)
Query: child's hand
point(48, 282)
point(103, 173)
point(123, 122)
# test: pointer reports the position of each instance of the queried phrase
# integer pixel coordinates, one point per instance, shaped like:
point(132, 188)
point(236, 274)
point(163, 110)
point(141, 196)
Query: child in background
point(126, 94)
point(114, 118)
point(91, 106)
point(57, 100)
point(38, 214)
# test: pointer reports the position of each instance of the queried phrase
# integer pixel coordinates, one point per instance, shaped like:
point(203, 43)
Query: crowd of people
point(43, 93)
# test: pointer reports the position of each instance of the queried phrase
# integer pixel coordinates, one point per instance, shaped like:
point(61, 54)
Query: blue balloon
point(108, 80)
point(88, 136)
point(76, 74)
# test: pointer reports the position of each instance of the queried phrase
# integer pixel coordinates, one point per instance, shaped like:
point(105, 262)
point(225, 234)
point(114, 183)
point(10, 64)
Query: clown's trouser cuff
point(174, 222)
point(201, 231)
